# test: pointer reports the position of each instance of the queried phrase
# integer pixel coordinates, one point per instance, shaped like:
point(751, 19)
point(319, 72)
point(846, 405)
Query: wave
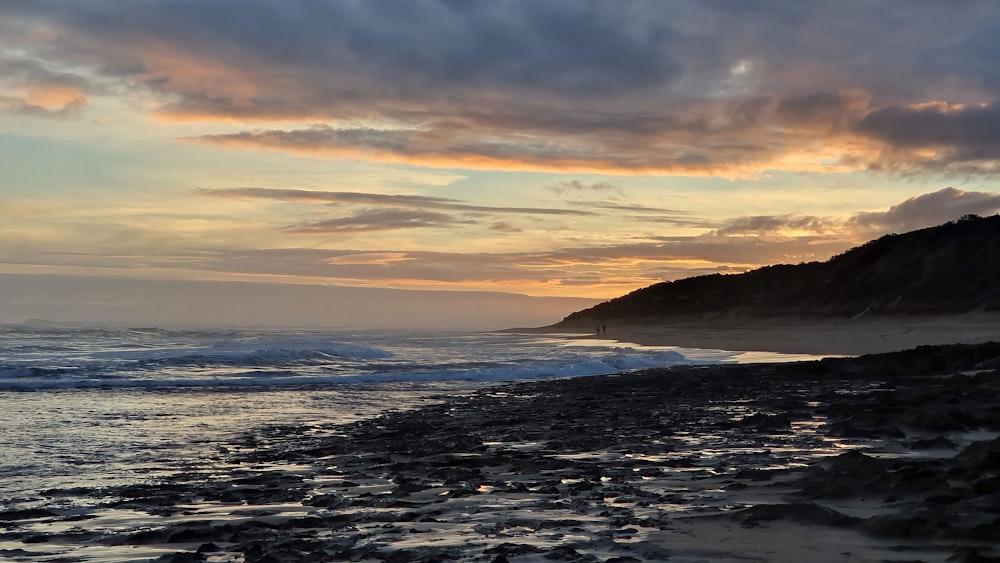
point(611, 363)
point(19, 372)
point(261, 356)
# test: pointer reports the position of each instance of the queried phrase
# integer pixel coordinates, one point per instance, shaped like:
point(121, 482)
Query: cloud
point(379, 220)
point(637, 86)
point(630, 264)
point(938, 136)
point(391, 200)
point(833, 110)
point(918, 212)
point(577, 186)
point(370, 212)
point(775, 224)
point(22, 106)
point(935, 125)
point(737, 243)
point(504, 227)
point(557, 264)
point(31, 88)
point(447, 145)
point(930, 209)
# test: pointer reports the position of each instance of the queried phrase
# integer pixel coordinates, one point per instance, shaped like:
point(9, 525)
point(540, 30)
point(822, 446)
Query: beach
point(848, 336)
point(883, 458)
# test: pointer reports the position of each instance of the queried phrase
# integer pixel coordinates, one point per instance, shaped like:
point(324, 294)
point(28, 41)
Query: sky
point(554, 149)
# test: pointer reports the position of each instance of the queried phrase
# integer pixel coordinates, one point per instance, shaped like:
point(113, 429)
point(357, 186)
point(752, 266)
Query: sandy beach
point(884, 458)
point(846, 337)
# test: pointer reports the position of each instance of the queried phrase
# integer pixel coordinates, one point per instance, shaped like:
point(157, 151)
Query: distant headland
point(938, 285)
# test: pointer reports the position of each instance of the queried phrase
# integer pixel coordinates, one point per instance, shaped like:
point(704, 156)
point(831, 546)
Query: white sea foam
point(25, 379)
point(40, 358)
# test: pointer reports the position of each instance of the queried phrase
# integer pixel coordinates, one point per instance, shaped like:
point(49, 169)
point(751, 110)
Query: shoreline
point(878, 458)
point(839, 337)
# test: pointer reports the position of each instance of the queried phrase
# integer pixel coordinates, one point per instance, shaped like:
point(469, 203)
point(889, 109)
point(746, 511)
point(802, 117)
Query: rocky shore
point(893, 457)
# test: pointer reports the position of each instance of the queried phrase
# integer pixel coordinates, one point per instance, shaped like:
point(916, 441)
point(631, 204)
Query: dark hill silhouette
point(949, 269)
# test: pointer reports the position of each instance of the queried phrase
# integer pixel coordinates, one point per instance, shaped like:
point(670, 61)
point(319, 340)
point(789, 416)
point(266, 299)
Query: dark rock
point(180, 557)
point(975, 555)
point(563, 552)
point(943, 499)
point(208, 548)
point(507, 548)
point(754, 475)
point(326, 501)
point(762, 421)
point(198, 534)
point(937, 443)
point(937, 419)
point(25, 514)
point(799, 512)
point(982, 455)
point(850, 429)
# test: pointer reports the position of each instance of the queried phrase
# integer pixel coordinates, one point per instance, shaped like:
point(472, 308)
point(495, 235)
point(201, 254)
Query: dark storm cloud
point(640, 86)
point(560, 46)
point(962, 135)
point(817, 108)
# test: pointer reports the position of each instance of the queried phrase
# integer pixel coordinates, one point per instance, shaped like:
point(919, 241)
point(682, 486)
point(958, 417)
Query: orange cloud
point(741, 143)
point(54, 97)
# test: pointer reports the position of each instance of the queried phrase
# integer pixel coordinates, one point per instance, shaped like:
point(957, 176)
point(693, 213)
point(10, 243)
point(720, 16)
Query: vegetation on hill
point(948, 269)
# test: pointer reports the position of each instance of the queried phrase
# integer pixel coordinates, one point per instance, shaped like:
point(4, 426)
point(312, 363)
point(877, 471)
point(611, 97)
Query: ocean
point(87, 409)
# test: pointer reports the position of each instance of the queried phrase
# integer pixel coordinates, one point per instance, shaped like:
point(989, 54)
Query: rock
point(563, 552)
point(208, 548)
point(180, 557)
point(25, 514)
point(799, 512)
point(507, 548)
point(754, 475)
point(849, 429)
point(937, 443)
point(762, 421)
point(975, 555)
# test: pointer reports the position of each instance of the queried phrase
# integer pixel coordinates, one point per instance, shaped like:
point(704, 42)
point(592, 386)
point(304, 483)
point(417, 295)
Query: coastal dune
point(933, 286)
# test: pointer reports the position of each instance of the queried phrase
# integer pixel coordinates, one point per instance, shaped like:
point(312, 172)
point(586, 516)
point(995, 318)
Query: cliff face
point(948, 269)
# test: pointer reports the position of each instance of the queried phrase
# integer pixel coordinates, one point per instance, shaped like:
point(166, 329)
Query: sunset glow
point(559, 148)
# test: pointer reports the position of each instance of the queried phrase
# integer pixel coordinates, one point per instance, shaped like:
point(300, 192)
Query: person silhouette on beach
point(604, 328)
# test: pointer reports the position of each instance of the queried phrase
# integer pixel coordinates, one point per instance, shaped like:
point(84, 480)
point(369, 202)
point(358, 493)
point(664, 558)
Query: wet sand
point(883, 458)
point(845, 337)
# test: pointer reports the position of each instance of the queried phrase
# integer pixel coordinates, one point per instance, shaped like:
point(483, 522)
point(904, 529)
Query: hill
point(949, 269)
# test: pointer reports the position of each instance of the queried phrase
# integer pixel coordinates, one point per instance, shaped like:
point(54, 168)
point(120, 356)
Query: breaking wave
point(39, 358)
